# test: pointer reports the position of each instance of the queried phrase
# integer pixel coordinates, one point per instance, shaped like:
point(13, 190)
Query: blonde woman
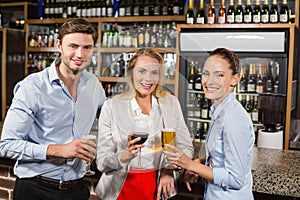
point(117, 152)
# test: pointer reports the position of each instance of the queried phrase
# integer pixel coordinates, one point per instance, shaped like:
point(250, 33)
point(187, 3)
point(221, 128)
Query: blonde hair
point(130, 90)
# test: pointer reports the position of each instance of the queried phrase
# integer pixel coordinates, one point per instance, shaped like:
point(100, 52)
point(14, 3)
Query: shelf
point(14, 4)
point(120, 50)
point(123, 79)
point(110, 19)
point(232, 26)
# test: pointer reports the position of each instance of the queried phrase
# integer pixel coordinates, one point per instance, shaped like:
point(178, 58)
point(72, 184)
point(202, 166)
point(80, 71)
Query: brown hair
point(231, 57)
point(130, 90)
point(77, 26)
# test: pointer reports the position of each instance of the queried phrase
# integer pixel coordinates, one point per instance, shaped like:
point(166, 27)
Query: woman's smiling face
point(217, 79)
point(146, 74)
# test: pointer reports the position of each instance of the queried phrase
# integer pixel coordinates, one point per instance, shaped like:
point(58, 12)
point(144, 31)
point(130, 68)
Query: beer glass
point(88, 163)
point(168, 137)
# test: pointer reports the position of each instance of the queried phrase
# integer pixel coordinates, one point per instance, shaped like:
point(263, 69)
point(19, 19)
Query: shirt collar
point(53, 76)
point(216, 110)
point(136, 108)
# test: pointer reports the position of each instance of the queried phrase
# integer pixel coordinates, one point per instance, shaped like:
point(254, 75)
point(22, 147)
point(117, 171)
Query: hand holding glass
point(141, 129)
point(89, 172)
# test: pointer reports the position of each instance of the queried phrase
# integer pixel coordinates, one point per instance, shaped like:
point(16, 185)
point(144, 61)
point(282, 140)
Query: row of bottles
point(112, 89)
point(106, 8)
point(43, 38)
point(38, 61)
point(77, 8)
point(139, 35)
point(266, 13)
point(198, 130)
point(115, 65)
point(198, 106)
point(265, 81)
point(254, 77)
point(150, 7)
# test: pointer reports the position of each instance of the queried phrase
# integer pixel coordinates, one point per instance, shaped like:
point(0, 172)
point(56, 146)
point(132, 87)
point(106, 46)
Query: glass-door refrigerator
point(264, 57)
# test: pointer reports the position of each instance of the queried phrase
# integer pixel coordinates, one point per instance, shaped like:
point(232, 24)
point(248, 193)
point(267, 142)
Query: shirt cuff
point(220, 177)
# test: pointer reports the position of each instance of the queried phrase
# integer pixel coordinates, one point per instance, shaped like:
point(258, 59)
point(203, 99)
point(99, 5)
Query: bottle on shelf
point(251, 85)
point(146, 8)
point(164, 8)
point(222, 13)
point(284, 12)
point(249, 104)
point(265, 12)
point(254, 114)
point(270, 80)
point(230, 12)
point(203, 132)
point(201, 18)
point(176, 7)
point(197, 111)
point(248, 12)
point(211, 13)
point(128, 8)
point(189, 16)
point(257, 12)
point(197, 79)
point(274, 12)
point(122, 8)
point(199, 130)
point(261, 81)
point(157, 8)
point(242, 85)
point(276, 84)
point(204, 108)
point(191, 77)
point(238, 14)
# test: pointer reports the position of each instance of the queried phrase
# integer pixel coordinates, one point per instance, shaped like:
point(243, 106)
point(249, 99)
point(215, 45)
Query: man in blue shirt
point(50, 112)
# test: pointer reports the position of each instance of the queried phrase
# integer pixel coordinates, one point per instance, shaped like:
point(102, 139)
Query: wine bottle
point(238, 14)
point(254, 114)
point(211, 13)
point(164, 8)
point(256, 12)
point(284, 12)
point(276, 84)
point(230, 12)
point(136, 8)
point(248, 12)
point(197, 79)
point(189, 16)
point(176, 7)
point(122, 8)
point(242, 85)
point(200, 18)
point(204, 108)
point(265, 12)
point(251, 85)
point(274, 12)
point(270, 80)
point(261, 83)
point(222, 13)
point(198, 132)
point(157, 8)
point(170, 6)
point(146, 8)
point(191, 75)
point(128, 8)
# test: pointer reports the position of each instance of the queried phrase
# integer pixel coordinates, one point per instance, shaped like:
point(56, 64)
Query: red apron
point(139, 184)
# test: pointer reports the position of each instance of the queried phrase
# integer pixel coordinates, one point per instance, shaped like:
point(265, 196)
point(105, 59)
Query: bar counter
point(275, 172)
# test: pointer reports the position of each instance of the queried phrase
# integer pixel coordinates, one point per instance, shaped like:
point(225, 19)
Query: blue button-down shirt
point(229, 147)
point(43, 112)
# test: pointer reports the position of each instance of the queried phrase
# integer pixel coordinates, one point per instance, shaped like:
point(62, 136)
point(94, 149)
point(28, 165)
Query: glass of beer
point(168, 137)
point(93, 138)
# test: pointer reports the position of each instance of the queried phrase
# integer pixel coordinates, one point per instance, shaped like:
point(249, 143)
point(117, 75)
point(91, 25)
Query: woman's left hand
point(166, 185)
point(178, 157)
